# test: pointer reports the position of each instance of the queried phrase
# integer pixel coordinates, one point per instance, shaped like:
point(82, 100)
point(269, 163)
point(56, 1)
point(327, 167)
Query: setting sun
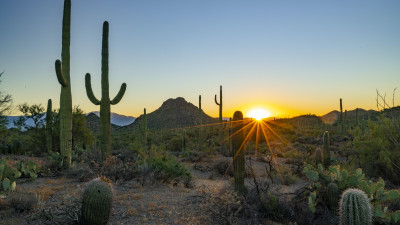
point(259, 113)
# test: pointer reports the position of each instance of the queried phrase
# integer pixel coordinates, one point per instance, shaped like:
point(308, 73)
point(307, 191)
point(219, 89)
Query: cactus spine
point(105, 98)
point(49, 126)
point(333, 192)
point(220, 103)
point(327, 153)
point(97, 202)
point(63, 76)
point(355, 208)
point(238, 156)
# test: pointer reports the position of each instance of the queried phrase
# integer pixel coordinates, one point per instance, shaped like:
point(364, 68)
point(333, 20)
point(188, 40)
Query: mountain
point(93, 123)
point(117, 119)
point(28, 122)
point(173, 113)
point(334, 115)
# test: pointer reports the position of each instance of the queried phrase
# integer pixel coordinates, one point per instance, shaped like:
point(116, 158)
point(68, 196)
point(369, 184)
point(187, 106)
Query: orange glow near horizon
point(259, 113)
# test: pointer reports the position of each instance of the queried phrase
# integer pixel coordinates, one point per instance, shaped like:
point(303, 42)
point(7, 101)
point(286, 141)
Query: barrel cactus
point(355, 208)
point(333, 192)
point(97, 202)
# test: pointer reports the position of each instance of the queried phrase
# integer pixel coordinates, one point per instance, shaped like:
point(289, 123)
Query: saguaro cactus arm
point(216, 102)
point(120, 94)
point(60, 76)
point(89, 90)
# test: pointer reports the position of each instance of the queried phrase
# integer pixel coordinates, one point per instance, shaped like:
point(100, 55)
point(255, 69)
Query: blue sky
point(291, 57)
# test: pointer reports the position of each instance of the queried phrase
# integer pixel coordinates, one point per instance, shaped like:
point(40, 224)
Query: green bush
point(377, 151)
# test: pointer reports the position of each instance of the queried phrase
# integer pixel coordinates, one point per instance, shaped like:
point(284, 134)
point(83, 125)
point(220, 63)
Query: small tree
point(5, 106)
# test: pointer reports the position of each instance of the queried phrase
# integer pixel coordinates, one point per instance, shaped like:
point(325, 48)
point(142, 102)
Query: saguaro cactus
point(97, 202)
point(220, 103)
point(238, 155)
point(327, 153)
point(105, 98)
point(63, 76)
point(333, 192)
point(357, 118)
point(355, 208)
point(200, 130)
point(341, 117)
point(49, 126)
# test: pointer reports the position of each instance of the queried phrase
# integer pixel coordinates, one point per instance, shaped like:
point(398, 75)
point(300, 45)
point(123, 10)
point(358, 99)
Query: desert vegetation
point(177, 165)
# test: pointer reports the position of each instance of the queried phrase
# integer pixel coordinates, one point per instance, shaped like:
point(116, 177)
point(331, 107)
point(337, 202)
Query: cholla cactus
point(97, 202)
point(355, 208)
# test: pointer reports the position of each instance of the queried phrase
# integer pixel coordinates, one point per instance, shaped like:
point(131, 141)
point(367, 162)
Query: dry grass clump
point(23, 201)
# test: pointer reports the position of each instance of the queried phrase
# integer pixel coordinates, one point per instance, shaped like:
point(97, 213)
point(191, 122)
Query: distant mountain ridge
point(118, 119)
point(173, 113)
point(334, 115)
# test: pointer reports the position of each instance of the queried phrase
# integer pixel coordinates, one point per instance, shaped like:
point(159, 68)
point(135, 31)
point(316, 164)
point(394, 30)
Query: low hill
point(173, 113)
point(333, 116)
point(118, 119)
point(93, 123)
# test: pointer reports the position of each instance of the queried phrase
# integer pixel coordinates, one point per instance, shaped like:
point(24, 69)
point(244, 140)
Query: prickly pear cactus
point(355, 208)
point(333, 192)
point(97, 202)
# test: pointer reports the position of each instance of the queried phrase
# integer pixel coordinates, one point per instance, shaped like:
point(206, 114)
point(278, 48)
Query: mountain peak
point(174, 113)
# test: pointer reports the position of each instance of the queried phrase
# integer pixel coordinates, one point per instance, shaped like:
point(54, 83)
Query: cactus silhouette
point(357, 118)
point(63, 76)
point(105, 98)
point(355, 208)
point(333, 192)
point(341, 117)
point(327, 153)
point(49, 126)
point(238, 159)
point(220, 103)
point(97, 202)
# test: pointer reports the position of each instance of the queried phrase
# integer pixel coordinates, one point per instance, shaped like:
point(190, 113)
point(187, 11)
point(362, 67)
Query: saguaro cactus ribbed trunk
point(220, 103)
point(63, 76)
point(49, 126)
point(238, 154)
point(105, 98)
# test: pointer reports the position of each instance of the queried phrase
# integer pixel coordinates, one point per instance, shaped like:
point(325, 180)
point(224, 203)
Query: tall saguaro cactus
point(341, 118)
point(105, 102)
point(63, 76)
point(220, 103)
point(49, 126)
point(238, 155)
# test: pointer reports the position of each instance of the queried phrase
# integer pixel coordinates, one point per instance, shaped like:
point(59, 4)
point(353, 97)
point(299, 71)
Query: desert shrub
point(23, 201)
point(81, 172)
point(378, 149)
point(167, 168)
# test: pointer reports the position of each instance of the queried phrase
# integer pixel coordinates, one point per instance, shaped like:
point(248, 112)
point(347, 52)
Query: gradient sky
point(290, 57)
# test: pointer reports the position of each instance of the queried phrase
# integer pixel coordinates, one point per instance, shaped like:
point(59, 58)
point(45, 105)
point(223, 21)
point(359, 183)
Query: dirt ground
point(152, 203)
